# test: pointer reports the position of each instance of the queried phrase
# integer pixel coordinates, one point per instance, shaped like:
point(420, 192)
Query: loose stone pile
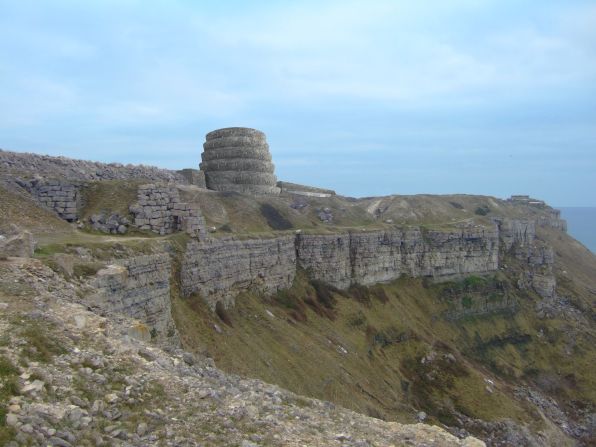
point(160, 210)
point(238, 159)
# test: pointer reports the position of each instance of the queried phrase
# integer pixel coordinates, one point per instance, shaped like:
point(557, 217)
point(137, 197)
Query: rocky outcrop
point(17, 243)
point(137, 287)
point(552, 219)
point(518, 237)
point(515, 231)
point(238, 159)
point(160, 210)
point(219, 269)
point(26, 165)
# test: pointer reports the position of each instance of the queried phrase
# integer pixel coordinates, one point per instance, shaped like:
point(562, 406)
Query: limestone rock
point(17, 243)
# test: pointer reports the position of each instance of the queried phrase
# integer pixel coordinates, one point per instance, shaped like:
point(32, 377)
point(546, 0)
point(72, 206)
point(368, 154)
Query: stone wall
point(59, 196)
point(138, 287)
point(160, 210)
point(194, 177)
point(219, 269)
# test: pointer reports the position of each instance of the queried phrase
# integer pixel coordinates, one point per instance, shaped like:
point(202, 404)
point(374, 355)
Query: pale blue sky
point(366, 97)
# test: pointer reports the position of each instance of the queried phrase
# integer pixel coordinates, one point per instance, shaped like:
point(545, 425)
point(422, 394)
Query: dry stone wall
point(62, 198)
point(160, 210)
point(138, 287)
point(237, 159)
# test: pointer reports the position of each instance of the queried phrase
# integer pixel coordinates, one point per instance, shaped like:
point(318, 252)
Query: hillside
point(465, 312)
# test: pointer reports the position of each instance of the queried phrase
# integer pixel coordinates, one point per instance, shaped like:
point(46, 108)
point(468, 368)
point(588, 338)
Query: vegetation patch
point(40, 347)
point(482, 210)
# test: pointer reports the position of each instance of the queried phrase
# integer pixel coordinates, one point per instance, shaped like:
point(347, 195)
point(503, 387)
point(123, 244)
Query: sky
point(365, 97)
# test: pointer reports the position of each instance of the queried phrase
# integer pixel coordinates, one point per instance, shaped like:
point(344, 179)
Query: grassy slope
point(381, 375)
point(555, 355)
point(21, 210)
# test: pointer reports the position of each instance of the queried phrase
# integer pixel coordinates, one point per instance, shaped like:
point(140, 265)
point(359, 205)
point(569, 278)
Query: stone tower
point(238, 159)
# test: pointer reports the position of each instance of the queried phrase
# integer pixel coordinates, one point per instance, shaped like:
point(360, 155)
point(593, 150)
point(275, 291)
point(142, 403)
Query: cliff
point(138, 287)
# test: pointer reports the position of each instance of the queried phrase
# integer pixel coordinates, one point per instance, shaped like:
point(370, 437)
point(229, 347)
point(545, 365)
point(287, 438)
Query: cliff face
point(381, 256)
point(137, 287)
point(219, 269)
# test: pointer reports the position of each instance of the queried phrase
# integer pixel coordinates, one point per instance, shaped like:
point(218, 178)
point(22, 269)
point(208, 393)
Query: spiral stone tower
point(238, 159)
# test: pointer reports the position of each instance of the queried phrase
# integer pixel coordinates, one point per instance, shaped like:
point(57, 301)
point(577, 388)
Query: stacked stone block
point(238, 159)
point(160, 210)
point(60, 197)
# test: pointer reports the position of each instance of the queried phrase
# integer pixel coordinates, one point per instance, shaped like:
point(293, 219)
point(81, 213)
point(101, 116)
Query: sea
point(581, 224)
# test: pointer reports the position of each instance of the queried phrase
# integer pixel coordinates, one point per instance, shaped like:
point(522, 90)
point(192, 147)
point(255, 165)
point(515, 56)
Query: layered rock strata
point(382, 256)
point(518, 237)
point(219, 269)
point(137, 287)
point(160, 210)
point(237, 159)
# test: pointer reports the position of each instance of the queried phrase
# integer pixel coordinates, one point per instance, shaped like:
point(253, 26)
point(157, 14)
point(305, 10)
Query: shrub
point(466, 301)
point(482, 210)
point(457, 205)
